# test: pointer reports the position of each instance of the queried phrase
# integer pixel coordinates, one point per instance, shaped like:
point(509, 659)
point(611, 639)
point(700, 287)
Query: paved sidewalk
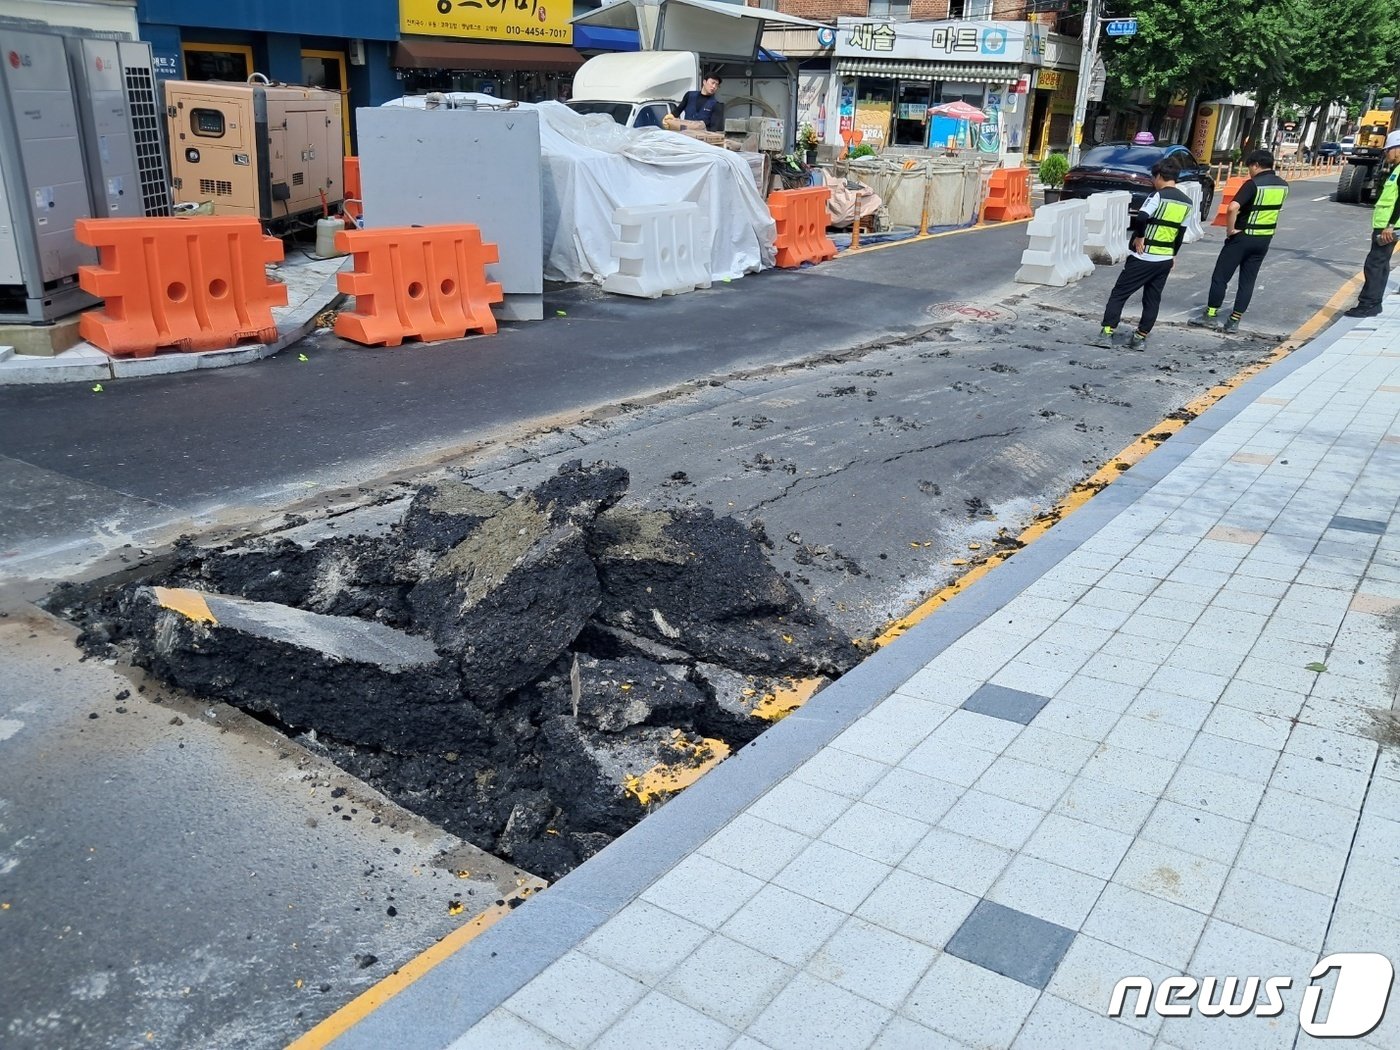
point(1116, 755)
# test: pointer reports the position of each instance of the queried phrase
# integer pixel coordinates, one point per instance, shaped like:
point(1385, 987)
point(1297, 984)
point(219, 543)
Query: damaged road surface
point(531, 674)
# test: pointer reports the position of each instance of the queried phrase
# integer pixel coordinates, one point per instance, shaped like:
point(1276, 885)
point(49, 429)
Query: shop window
point(874, 105)
point(896, 9)
point(956, 8)
point(231, 62)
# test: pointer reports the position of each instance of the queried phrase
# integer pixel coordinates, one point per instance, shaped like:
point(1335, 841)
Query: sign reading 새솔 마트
point(524, 21)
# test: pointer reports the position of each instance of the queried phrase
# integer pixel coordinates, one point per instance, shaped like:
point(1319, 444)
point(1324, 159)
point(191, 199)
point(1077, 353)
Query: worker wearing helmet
point(1383, 222)
point(1144, 138)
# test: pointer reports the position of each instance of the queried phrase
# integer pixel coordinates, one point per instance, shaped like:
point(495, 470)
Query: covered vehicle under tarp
point(591, 166)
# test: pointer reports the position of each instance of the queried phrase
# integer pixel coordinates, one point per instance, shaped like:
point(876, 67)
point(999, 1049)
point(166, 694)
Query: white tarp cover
point(591, 166)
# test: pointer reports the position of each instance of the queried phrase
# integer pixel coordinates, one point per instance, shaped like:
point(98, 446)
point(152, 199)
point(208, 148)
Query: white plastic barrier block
point(660, 252)
point(1056, 252)
point(1194, 230)
point(1106, 227)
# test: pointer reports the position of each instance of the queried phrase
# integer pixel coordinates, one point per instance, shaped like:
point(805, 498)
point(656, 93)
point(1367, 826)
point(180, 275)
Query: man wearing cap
point(1250, 222)
point(1383, 221)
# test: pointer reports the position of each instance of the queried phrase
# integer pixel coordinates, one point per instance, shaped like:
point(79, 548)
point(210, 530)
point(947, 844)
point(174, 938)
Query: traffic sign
point(1123, 27)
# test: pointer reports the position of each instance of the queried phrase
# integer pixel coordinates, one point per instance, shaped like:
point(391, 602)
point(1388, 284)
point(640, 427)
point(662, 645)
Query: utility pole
point(1088, 51)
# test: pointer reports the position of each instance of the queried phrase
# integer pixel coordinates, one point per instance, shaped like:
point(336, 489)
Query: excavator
point(1365, 165)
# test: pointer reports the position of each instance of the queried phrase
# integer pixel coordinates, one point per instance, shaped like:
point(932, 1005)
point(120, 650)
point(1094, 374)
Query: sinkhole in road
point(531, 672)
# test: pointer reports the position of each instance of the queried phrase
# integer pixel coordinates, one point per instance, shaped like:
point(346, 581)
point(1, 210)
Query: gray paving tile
point(876, 833)
point(502, 1028)
point(1011, 943)
point(917, 908)
point(1172, 874)
point(1074, 844)
point(1366, 525)
point(1046, 891)
point(873, 962)
point(1194, 830)
point(644, 942)
point(727, 981)
point(1145, 925)
point(915, 795)
point(952, 998)
point(878, 741)
point(783, 924)
point(1055, 1024)
point(1057, 751)
point(1013, 705)
point(810, 1012)
point(756, 847)
point(1275, 909)
point(800, 807)
point(959, 861)
point(1215, 792)
point(1023, 782)
point(702, 890)
point(833, 876)
point(992, 819)
point(658, 1014)
point(576, 999)
point(1106, 805)
point(841, 772)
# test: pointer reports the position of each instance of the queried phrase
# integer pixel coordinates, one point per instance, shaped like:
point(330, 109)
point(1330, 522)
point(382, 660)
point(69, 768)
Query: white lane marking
point(1326, 198)
point(9, 727)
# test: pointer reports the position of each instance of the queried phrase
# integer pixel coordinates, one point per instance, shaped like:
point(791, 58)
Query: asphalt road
point(879, 413)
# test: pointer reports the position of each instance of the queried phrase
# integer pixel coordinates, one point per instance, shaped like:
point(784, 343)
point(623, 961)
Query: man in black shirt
point(1250, 222)
point(702, 105)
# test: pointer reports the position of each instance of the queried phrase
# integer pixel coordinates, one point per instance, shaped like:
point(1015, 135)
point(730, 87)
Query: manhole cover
point(970, 312)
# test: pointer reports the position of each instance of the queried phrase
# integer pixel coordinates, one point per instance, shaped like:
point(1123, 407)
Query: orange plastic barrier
point(1232, 187)
point(801, 219)
point(353, 206)
point(1008, 195)
point(185, 283)
point(416, 282)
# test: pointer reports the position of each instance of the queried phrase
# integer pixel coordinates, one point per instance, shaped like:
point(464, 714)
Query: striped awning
point(974, 72)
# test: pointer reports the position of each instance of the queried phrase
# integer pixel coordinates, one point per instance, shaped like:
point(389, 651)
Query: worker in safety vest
point(1383, 221)
point(1250, 222)
point(1157, 230)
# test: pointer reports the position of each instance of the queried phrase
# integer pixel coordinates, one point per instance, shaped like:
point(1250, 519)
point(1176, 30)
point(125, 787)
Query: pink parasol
point(958, 111)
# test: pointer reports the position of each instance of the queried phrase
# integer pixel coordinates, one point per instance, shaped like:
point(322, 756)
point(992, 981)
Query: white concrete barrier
point(1056, 252)
point(1194, 230)
point(661, 251)
point(1106, 227)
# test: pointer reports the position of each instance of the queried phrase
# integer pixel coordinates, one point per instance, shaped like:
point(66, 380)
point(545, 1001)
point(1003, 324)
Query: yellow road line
point(1081, 493)
point(357, 1009)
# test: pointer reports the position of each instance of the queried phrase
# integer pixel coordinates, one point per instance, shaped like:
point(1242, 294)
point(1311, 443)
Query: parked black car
point(1331, 152)
point(1123, 166)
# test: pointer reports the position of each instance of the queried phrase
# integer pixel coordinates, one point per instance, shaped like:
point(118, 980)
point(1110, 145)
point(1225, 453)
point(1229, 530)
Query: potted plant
point(1053, 170)
point(807, 142)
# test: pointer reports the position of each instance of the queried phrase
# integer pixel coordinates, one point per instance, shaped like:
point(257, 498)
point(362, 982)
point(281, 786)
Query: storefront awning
point(422, 53)
point(974, 72)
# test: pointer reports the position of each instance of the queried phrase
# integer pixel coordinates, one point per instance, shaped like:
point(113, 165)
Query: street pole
point(1088, 51)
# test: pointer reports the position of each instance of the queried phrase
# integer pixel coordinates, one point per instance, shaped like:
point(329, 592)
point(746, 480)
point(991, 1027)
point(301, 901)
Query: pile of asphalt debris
point(512, 669)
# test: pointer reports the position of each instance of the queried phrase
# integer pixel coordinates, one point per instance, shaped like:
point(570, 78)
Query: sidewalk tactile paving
point(1013, 705)
point(1011, 943)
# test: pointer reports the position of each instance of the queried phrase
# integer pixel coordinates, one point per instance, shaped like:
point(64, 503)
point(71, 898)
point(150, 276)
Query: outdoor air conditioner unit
point(357, 52)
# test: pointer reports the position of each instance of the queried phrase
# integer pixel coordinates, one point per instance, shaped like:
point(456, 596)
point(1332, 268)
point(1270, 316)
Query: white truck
point(637, 89)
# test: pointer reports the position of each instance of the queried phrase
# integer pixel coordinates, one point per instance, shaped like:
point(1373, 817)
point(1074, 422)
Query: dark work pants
point(1377, 271)
point(1244, 253)
point(1151, 278)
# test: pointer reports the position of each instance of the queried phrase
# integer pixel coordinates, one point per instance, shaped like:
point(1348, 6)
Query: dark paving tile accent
point(1001, 702)
point(1011, 943)
point(1341, 521)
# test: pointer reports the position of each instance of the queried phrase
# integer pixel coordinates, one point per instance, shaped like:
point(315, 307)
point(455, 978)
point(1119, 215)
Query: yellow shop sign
point(535, 21)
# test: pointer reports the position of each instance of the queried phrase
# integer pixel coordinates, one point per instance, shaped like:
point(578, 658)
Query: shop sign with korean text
point(950, 41)
point(524, 21)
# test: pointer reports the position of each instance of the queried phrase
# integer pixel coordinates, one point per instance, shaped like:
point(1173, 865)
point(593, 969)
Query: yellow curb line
point(355, 1011)
point(1081, 493)
point(364, 1004)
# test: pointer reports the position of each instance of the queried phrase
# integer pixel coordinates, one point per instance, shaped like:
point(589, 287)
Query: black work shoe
point(1203, 320)
point(1364, 311)
point(1231, 325)
point(1103, 339)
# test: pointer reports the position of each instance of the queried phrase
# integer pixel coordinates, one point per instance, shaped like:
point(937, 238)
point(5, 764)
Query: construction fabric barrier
point(1194, 230)
point(1056, 252)
point(416, 282)
point(1106, 227)
point(922, 194)
point(660, 252)
point(1008, 195)
point(800, 216)
point(1232, 187)
point(186, 284)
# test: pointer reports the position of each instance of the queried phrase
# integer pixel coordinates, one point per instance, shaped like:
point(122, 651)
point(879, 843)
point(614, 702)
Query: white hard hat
point(1392, 141)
